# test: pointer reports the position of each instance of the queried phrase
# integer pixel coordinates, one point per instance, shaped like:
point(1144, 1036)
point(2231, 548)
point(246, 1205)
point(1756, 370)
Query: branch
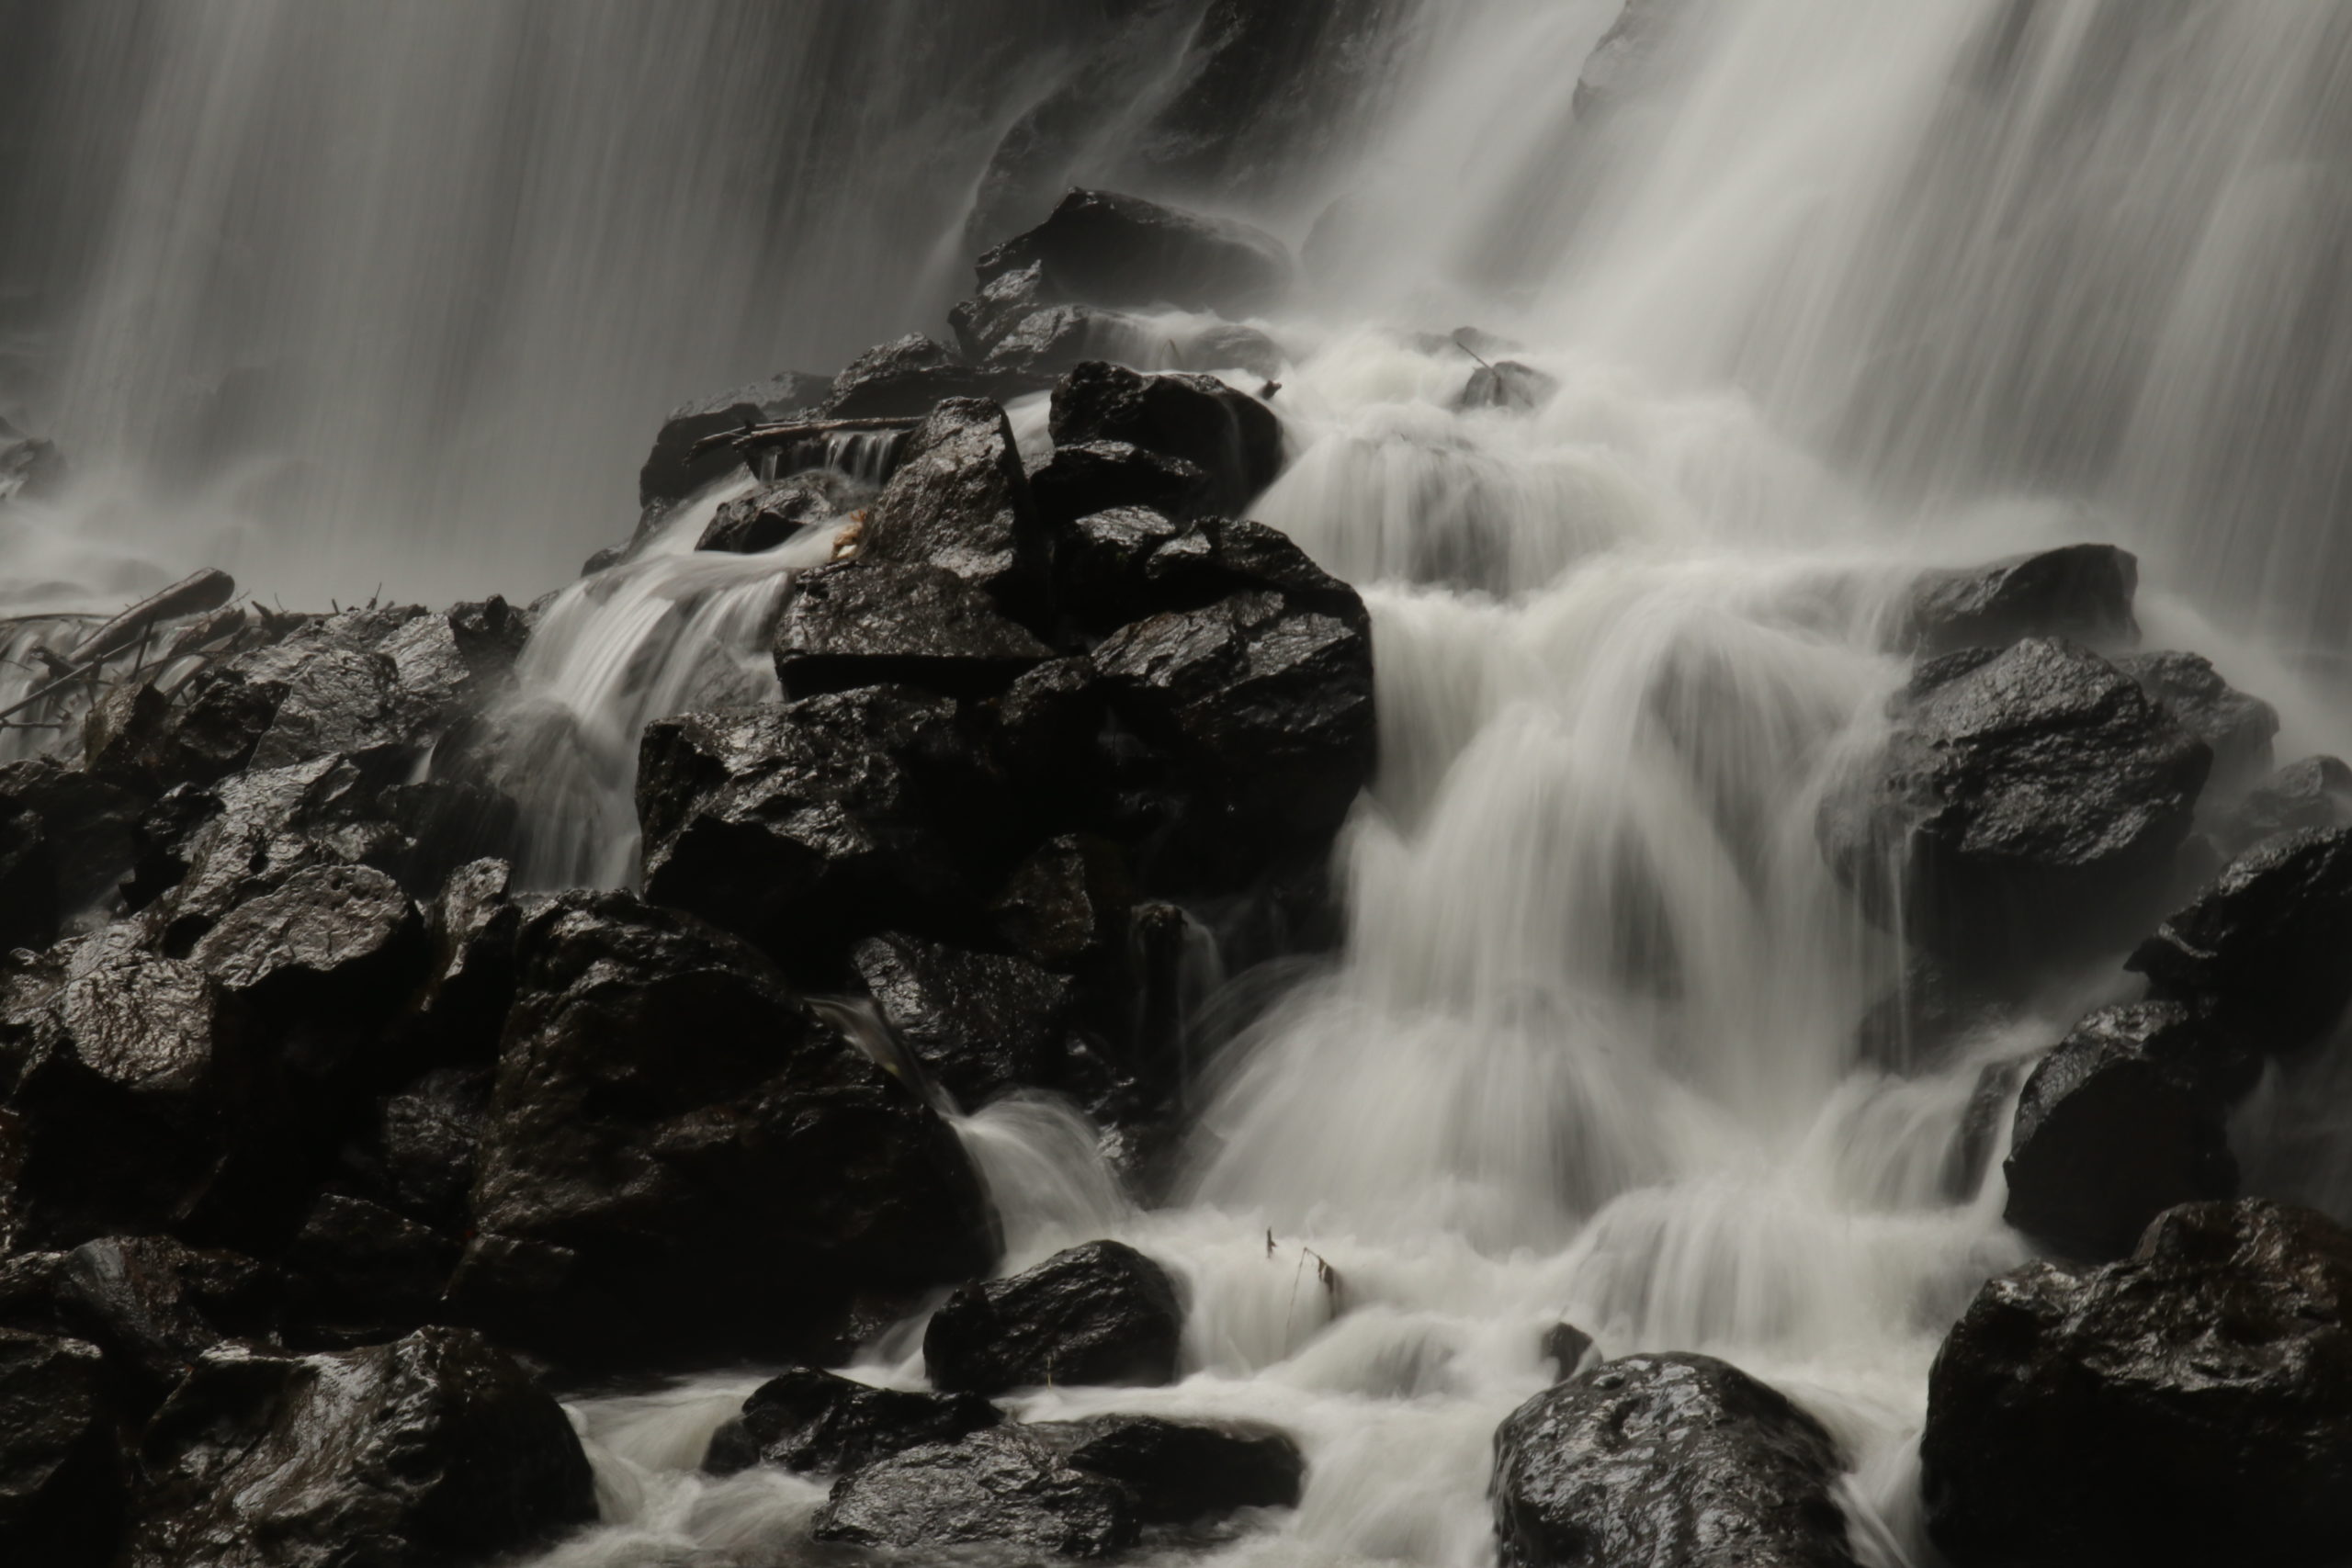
point(758, 435)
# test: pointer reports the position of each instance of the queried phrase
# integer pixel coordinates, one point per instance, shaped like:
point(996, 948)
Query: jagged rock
point(1233, 437)
point(1001, 1487)
point(980, 1024)
point(434, 1449)
point(668, 477)
point(2191, 1404)
point(418, 1149)
point(1108, 249)
point(470, 973)
point(872, 622)
point(30, 468)
point(2238, 728)
point(84, 844)
point(1120, 566)
point(654, 1071)
point(2313, 793)
point(2268, 942)
point(1102, 1313)
point(780, 509)
point(810, 1420)
point(61, 1466)
point(1182, 1471)
point(1066, 906)
point(908, 377)
point(1265, 707)
point(357, 1269)
point(2026, 805)
point(342, 938)
point(1087, 477)
point(2082, 592)
point(1508, 384)
point(2121, 1121)
point(800, 825)
point(1665, 1459)
point(960, 500)
point(1003, 303)
point(1566, 1346)
point(154, 1305)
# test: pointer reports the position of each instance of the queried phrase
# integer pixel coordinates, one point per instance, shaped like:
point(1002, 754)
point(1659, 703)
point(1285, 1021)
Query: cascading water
point(1830, 288)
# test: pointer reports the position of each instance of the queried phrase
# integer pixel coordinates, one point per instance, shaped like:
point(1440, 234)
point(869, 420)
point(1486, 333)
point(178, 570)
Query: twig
point(748, 441)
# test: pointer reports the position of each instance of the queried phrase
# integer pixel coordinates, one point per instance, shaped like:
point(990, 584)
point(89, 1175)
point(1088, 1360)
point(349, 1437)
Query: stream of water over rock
point(1831, 288)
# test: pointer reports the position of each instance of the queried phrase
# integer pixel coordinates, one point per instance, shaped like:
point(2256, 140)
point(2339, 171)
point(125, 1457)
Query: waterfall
point(1830, 289)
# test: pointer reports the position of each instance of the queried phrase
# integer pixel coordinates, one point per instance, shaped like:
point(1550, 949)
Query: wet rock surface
point(778, 511)
point(1665, 1459)
point(2267, 944)
point(2236, 726)
point(61, 1470)
point(980, 1024)
point(870, 622)
point(960, 501)
point(1001, 1487)
point(1182, 1470)
point(1227, 434)
point(809, 1420)
point(2080, 593)
point(2191, 1403)
point(1087, 477)
point(908, 377)
point(1102, 1313)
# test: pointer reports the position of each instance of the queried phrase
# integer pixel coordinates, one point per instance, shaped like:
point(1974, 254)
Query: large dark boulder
point(2268, 942)
point(904, 378)
point(801, 824)
point(2025, 807)
point(1098, 1314)
point(809, 1420)
point(1002, 1487)
point(872, 622)
point(1231, 436)
point(654, 1071)
point(978, 1023)
point(339, 939)
point(1086, 477)
point(2189, 1404)
point(60, 1464)
point(2315, 791)
point(1129, 563)
point(432, 1450)
point(1182, 1471)
point(2121, 1121)
point(1108, 249)
point(2081, 592)
point(960, 501)
point(669, 476)
point(2237, 727)
point(1656, 1459)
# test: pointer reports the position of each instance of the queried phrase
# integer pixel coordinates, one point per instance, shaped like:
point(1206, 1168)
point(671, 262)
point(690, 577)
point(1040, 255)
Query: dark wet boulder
point(2081, 592)
point(1264, 707)
point(417, 1148)
point(154, 1305)
point(470, 967)
point(670, 475)
point(60, 1465)
point(2025, 806)
point(1508, 384)
point(872, 622)
point(1182, 1471)
point(1108, 249)
point(1231, 436)
point(1065, 906)
point(906, 378)
point(2314, 793)
point(1098, 1314)
point(654, 1070)
point(339, 937)
point(2268, 942)
point(2237, 727)
point(431, 1451)
point(2121, 1121)
point(75, 836)
point(800, 825)
point(999, 310)
point(1566, 1346)
point(978, 1023)
point(2191, 1404)
point(780, 509)
point(1086, 477)
point(809, 1420)
point(1002, 1487)
point(1131, 562)
point(960, 500)
point(358, 1271)
point(1669, 1457)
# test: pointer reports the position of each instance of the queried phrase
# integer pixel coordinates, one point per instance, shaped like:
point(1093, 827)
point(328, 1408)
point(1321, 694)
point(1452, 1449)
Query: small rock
point(2268, 942)
point(1065, 906)
point(2082, 592)
point(980, 1024)
point(417, 1148)
point(1182, 1471)
point(2313, 793)
point(1232, 437)
point(1108, 249)
point(872, 623)
point(1098, 1314)
point(2238, 728)
point(1087, 477)
point(1566, 1346)
point(809, 1420)
point(780, 509)
point(1002, 1487)
point(342, 937)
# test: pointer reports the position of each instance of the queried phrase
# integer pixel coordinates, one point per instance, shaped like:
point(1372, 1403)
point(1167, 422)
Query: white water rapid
point(1832, 290)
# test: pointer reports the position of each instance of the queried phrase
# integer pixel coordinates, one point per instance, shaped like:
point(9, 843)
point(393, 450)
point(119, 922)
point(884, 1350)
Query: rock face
point(960, 501)
point(1001, 1487)
point(1665, 1459)
point(1098, 1314)
point(1109, 249)
point(2268, 942)
point(2081, 592)
point(908, 377)
point(654, 1072)
point(980, 1024)
point(1230, 437)
point(434, 1449)
point(1087, 477)
point(2121, 1121)
point(61, 1471)
point(2192, 1404)
point(1182, 1471)
point(810, 1420)
point(871, 623)
point(2027, 803)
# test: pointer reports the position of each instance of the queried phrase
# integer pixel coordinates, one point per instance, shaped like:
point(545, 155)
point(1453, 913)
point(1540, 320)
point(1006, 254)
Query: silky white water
point(1837, 289)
